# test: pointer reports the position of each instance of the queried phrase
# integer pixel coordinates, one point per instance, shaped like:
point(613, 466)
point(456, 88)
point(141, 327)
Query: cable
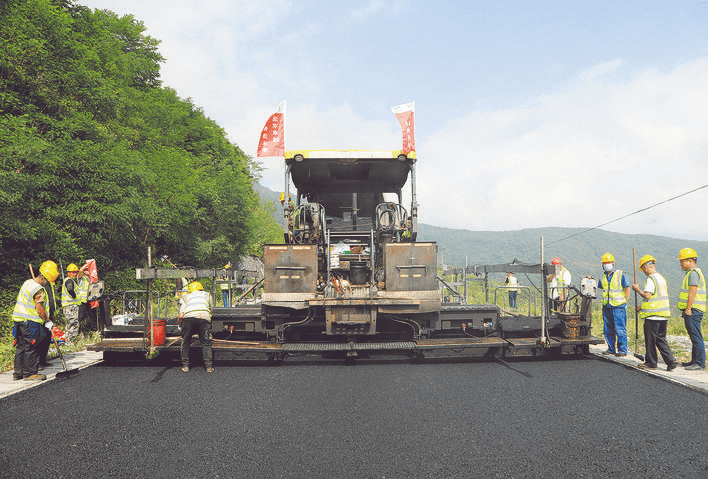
point(627, 215)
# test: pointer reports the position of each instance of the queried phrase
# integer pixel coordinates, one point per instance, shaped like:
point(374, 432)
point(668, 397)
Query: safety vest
point(560, 283)
point(82, 292)
point(25, 308)
point(658, 303)
point(512, 283)
point(699, 302)
point(66, 299)
point(197, 301)
point(613, 292)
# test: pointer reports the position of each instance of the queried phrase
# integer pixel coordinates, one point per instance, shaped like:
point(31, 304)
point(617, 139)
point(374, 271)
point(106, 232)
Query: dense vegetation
point(99, 160)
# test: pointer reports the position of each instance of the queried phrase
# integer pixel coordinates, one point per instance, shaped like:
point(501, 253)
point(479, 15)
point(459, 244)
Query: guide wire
point(629, 214)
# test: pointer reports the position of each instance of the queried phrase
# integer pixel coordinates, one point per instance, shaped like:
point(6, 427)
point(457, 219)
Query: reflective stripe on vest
point(613, 291)
point(82, 292)
point(699, 302)
point(658, 303)
point(197, 301)
point(25, 308)
point(66, 299)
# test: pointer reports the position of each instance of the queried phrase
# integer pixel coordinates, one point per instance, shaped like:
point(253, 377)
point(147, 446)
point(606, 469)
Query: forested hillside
point(580, 252)
point(99, 160)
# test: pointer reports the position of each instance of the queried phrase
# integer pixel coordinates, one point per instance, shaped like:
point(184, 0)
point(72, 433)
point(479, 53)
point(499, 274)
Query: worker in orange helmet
point(558, 283)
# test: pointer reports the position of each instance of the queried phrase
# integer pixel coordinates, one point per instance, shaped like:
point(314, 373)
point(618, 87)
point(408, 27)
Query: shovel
point(636, 313)
point(66, 372)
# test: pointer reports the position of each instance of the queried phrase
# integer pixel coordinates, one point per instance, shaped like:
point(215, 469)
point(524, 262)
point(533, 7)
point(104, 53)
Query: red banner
point(272, 142)
point(406, 117)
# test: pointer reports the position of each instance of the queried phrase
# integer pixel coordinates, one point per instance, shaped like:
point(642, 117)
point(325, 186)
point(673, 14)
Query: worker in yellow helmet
point(655, 311)
point(692, 303)
point(195, 316)
point(28, 317)
point(74, 293)
point(615, 294)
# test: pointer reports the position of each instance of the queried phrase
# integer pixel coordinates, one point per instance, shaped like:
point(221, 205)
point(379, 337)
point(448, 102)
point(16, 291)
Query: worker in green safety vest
point(28, 317)
point(692, 303)
point(655, 311)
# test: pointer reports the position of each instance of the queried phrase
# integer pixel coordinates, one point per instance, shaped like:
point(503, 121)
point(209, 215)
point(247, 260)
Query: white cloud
point(578, 157)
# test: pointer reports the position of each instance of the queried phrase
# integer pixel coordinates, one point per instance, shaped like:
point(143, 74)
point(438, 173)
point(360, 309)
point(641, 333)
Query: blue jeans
point(693, 326)
point(225, 297)
point(512, 299)
point(615, 320)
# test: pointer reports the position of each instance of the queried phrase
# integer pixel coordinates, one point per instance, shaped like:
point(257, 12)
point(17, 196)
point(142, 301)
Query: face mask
point(608, 267)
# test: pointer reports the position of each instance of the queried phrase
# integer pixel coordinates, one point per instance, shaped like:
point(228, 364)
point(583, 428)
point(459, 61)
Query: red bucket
point(158, 332)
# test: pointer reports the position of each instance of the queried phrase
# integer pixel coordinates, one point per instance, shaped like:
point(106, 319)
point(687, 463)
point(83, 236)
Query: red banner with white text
point(272, 142)
point(406, 117)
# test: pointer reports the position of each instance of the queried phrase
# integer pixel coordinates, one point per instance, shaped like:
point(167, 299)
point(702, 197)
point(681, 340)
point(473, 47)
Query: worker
point(692, 304)
point(655, 311)
point(290, 201)
point(74, 292)
point(225, 286)
point(50, 306)
point(513, 284)
point(559, 281)
point(615, 294)
point(28, 317)
point(195, 315)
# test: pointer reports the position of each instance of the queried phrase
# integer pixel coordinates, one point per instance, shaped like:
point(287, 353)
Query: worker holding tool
point(195, 315)
point(692, 303)
point(75, 292)
point(50, 306)
point(28, 316)
point(615, 294)
point(559, 281)
point(655, 311)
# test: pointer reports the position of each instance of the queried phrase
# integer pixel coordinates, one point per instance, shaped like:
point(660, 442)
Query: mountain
point(579, 249)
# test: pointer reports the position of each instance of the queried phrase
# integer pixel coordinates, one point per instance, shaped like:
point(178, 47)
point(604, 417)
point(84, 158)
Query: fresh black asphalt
point(307, 418)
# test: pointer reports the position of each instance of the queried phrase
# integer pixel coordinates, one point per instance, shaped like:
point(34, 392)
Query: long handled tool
point(636, 313)
point(66, 372)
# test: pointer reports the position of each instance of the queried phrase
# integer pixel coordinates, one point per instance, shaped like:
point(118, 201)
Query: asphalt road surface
point(377, 419)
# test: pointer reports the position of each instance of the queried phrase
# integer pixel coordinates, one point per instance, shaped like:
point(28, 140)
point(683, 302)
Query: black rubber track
point(581, 417)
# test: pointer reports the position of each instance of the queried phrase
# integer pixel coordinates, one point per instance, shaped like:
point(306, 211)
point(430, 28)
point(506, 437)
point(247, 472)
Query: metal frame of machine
point(350, 278)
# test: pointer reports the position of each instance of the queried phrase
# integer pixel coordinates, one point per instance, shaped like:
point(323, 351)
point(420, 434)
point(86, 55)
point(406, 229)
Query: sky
point(527, 114)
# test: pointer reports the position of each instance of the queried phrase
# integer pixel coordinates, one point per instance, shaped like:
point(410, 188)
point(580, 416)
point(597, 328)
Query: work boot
point(687, 363)
point(185, 369)
point(17, 377)
point(672, 366)
point(694, 367)
point(36, 377)
point(209, 369)
point(607, 353)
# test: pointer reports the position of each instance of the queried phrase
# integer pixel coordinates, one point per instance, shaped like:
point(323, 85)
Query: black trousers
point(203, 328)
point(28, 337)
point(655, 338)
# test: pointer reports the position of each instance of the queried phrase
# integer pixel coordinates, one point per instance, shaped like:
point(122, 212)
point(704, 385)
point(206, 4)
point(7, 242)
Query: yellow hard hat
point(607, 258)
point(49, 270)
point(687, 253)
point(195, 286)
point(645, 259)
point(282, 197)
point(72, 267)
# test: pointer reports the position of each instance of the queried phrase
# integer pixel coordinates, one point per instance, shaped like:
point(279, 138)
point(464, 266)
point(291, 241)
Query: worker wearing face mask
point(615, 294)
